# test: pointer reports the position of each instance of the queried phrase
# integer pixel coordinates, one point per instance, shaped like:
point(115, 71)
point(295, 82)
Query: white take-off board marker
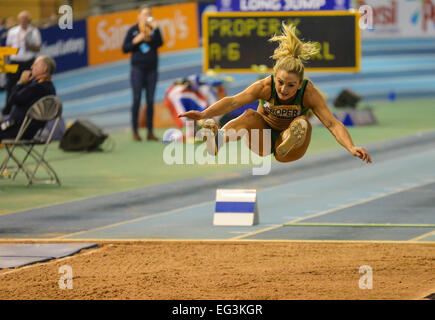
point(236, 207)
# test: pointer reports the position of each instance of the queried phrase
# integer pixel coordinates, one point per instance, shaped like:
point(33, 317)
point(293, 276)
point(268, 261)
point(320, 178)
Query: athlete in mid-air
point(284, 97)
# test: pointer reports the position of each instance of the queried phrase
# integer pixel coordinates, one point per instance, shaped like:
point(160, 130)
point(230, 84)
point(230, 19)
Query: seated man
point(32, 86)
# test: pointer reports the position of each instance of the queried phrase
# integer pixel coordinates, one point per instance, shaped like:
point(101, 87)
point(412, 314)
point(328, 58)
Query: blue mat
point(18, 255)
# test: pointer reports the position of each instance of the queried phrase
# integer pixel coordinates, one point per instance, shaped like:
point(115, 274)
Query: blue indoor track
point(329, 196)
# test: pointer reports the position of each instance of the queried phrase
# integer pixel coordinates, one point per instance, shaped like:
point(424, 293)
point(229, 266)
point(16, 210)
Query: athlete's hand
point(361, 153)
point(193, 115)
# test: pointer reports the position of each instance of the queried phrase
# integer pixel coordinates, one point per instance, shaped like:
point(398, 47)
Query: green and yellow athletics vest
point(279, 116)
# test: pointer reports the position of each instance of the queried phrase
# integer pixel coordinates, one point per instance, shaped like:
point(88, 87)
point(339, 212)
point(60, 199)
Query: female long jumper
point(284, 97)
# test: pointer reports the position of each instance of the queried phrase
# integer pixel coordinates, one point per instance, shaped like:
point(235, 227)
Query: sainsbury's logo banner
point(106, 33)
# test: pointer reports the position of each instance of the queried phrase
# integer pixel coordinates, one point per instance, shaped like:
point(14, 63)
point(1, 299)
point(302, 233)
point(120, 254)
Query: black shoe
point(151, 137)
point(136, 136)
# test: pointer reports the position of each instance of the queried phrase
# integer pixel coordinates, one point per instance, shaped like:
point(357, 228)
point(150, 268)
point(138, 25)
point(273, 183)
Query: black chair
point(45, 109)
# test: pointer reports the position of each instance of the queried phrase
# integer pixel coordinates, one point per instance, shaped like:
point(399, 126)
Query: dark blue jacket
point(21, 99)
point(143, 54)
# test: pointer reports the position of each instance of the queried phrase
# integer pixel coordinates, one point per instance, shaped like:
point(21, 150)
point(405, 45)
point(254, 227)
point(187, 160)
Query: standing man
point(28, 39)
point(142, 40)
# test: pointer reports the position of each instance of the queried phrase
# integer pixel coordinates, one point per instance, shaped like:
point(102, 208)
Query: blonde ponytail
point(292, 52)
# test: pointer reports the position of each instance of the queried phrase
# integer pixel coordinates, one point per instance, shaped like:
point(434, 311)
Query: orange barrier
point(162, 116)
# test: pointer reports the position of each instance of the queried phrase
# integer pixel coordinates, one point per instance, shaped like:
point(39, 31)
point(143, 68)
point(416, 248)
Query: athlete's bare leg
point(290, 135)
point(235, 129)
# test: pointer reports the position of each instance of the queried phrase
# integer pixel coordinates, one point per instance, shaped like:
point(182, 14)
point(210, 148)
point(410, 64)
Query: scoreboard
point(235, 41)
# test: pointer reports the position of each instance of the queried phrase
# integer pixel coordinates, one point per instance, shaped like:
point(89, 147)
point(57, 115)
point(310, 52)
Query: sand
point(200, 270)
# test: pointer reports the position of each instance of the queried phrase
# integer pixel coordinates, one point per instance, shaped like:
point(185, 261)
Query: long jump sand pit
point(205, 270)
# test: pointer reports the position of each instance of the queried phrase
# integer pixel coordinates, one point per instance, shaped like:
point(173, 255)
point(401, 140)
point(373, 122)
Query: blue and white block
point(236, 207)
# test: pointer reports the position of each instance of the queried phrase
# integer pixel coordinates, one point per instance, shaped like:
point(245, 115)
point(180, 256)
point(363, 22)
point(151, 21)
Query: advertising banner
point(106, 34)
point(68, 47)
point(178, 24)
point(281, 5)
point(399, 18)
point(204, 7)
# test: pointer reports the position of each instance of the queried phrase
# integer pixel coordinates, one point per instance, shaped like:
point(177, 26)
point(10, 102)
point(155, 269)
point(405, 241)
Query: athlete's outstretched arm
point(314, 100)
point(254, 92)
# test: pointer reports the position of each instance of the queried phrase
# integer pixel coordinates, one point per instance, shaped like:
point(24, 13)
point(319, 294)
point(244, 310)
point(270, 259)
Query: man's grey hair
point(50, 63)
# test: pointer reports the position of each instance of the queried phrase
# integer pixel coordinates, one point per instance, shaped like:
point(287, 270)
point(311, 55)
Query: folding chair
point(45, 109)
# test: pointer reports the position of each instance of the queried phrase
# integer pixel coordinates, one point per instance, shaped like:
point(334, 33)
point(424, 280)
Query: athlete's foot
point(295, 137)
point(211, 130)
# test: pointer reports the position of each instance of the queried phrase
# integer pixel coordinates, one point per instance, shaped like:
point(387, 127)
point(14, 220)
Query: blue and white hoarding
point(68, 47)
